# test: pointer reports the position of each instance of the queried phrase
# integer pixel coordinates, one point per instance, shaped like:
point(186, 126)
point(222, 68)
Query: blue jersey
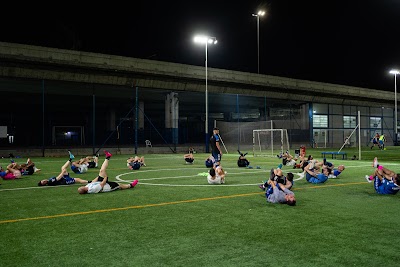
point(321, 178)
point(209, 163)
point(336, 172)
point(135, 165)
point(385, 187)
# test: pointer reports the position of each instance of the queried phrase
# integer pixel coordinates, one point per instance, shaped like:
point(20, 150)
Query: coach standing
point(216, 150)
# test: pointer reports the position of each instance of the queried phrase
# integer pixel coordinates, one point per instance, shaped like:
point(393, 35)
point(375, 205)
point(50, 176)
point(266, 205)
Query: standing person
point(279, 195)
point(382, 140)
point(101, 183)
point(216, 150)
point(375, 140)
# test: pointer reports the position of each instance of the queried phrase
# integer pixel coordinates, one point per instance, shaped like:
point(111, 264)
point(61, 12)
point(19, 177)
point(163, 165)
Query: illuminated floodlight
point(202, 39)
point(261, 13)
point(395, 72)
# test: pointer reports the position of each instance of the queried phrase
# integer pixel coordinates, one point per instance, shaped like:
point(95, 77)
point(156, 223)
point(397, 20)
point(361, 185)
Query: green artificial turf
point(174, 218)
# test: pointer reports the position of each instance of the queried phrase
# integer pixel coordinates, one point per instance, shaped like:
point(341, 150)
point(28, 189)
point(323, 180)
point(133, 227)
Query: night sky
point(350, 42)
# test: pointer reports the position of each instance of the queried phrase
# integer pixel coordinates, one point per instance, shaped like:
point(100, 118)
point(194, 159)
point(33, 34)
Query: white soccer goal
point(270, 142)
point(334, 138)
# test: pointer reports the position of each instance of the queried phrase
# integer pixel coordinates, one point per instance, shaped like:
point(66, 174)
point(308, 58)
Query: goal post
point(270, 142)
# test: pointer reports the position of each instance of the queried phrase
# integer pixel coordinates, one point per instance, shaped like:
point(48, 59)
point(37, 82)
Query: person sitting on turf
point(314, 176)
point(277, 175)
point(385, 181)
point(279, 195)
point(101, 183)
point(209, 162)
point(189, 158)
point(242, 161)
point(63, 178)
point(134, 163)
point(216, 175)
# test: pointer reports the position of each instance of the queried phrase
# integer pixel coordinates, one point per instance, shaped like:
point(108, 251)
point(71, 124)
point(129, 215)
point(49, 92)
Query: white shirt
point(94, 187)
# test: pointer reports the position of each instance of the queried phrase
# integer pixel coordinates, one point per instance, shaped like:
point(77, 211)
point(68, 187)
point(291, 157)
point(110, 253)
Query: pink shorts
point(9, 176)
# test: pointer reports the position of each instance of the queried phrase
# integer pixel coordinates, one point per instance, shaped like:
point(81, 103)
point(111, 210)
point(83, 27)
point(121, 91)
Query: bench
point(334, 154)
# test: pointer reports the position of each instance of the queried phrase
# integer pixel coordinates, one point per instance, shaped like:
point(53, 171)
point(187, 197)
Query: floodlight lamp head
point(395, 72)
point(261, 13)
point(205, 39)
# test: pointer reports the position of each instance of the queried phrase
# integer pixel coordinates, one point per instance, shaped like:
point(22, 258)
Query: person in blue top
point(315, 177)
point(209, 162)
point(386, 182)
point(63, 178)
point(335, 172)
point(216, 150)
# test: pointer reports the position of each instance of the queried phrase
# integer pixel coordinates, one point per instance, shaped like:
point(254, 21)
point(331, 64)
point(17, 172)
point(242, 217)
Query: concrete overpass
point(42, 63)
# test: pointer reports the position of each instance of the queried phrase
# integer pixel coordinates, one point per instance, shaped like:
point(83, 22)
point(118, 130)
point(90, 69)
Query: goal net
point(334, 138)
point(270, 142)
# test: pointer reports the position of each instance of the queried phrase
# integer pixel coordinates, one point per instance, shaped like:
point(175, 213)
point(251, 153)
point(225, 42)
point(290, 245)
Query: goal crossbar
point(268, 142)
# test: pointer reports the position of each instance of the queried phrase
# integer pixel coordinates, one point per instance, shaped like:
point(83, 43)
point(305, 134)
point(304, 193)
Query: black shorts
point(91, 164)
point(190, 160)
point(113, 185)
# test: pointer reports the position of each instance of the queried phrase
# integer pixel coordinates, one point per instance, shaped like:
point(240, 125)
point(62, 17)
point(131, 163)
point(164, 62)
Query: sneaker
point(134, 183)
point(108, 154)
point(262, 187)
point(368, 179)
point(280, 166)
point(376, 163)
point(71, 156)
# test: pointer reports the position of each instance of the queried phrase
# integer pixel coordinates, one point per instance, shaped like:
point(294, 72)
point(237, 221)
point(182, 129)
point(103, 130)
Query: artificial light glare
point(205, 39)
point(261, 13)
point(395, 72)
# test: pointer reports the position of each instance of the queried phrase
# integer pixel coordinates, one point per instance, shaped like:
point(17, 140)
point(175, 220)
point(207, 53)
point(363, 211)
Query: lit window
point(320, 121)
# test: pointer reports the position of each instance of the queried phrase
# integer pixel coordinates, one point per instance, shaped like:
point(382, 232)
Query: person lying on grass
point(279, 195)
point(63, 178)
point(314, 176)
point(277, 175)
point(101, 183)
point(386, 182)
point(216, 175)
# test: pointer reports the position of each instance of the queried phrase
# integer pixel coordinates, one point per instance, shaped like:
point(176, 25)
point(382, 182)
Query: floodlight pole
point(206, 40)
point(395, 72)
point(206, 95)
point(260, 13)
